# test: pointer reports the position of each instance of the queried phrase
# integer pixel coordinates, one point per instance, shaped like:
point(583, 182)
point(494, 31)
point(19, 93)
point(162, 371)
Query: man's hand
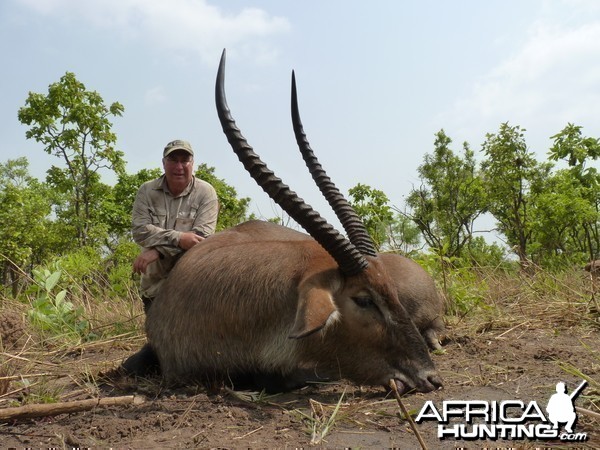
point(189, 239)
point(146, 257)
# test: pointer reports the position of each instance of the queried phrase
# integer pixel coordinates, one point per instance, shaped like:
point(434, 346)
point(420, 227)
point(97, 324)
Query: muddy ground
point(515, 357)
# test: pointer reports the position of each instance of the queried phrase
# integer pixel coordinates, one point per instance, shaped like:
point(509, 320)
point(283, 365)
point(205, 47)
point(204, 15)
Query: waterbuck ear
point(315, 311)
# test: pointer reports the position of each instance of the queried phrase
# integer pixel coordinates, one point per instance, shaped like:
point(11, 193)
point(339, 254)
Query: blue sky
point(376, 80)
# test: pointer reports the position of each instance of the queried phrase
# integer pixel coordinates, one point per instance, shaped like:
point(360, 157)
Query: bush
point(83, 295)
point(484, 254)
point(119, 275)
point(457, 281)
point(51, 311)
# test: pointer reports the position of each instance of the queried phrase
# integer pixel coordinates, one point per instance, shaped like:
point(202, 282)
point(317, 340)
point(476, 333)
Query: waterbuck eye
point(363, 302)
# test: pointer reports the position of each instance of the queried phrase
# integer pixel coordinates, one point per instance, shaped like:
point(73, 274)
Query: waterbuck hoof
point(144, 363)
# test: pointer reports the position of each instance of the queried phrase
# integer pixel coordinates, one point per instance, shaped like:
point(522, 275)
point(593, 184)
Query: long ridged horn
point(354, 226)
point(349, 259)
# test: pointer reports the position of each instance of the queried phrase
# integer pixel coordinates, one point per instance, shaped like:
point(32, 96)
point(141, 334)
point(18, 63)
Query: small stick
point(587, 412)
point(406, 414)
point(53, 409)
point(248, 434)
point(27, 375)
point(24, 388)
point(513, 328)
point(21, 358)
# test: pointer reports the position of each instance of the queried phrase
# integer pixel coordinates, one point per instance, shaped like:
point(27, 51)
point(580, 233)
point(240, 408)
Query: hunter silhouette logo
point(560, 406)
point(508, 419)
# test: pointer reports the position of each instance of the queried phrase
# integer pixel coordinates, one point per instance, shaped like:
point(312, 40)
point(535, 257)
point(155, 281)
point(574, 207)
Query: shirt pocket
point(184, 224)
point(193, 210)
point(158, 217)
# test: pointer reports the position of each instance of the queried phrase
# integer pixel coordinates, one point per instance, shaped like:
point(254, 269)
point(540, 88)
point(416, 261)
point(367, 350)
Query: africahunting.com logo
point(509, 419)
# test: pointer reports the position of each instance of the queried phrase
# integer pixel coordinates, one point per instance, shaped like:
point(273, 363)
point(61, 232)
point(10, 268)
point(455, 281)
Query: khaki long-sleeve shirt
point(159, 219)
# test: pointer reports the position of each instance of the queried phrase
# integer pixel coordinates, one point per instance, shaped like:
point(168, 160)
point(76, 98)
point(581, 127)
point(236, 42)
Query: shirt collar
point(161, 184)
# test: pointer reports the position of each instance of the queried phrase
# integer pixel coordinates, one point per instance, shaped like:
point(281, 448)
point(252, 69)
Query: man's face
point(179, 167)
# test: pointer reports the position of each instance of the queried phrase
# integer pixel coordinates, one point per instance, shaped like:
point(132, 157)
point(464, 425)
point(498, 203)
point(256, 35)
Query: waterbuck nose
point(436, 381)
point(429, 381)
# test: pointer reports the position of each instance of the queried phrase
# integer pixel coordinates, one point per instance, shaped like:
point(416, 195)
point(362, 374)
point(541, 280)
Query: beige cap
point(178, 144)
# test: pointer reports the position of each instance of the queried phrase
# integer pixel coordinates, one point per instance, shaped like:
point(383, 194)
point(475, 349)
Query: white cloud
point(552, 79)
point(180, 25)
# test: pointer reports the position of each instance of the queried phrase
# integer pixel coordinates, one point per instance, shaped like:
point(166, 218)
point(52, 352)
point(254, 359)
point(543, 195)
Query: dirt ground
point(520, 358)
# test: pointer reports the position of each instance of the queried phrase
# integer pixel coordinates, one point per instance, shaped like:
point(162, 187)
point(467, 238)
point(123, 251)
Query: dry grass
point(39, 367)
point(514, 303)
point(518, 305)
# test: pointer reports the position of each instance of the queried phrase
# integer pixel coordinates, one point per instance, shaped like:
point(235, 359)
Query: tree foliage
point(546, 216)
point(450, 198)
point(509, 171)
point(232, 210)
point(389, 231)
point(561, 218)
point(117, 205)
point(584, 182)
point(24, 210)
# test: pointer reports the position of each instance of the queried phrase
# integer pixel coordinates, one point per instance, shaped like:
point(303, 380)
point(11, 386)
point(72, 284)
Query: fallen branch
point(53, 409)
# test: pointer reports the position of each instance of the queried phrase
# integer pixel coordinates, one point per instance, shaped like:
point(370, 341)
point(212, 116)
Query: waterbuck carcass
point(250, 303)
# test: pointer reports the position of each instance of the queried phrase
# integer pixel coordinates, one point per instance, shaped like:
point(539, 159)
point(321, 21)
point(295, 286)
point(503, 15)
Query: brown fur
point(415, 288)
point(259, 299)
point(418, 293)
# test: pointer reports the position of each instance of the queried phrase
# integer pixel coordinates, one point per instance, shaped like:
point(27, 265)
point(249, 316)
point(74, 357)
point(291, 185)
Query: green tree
point(450, 198)
point(388, 231)
point(509, 171)
point(403, 235)
point(232, 210)
point(15, 173)
point(24, 212)
point(561, 218)
point(117, 205)
point(74, 125)
point(578, 151)
point(372, 206)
